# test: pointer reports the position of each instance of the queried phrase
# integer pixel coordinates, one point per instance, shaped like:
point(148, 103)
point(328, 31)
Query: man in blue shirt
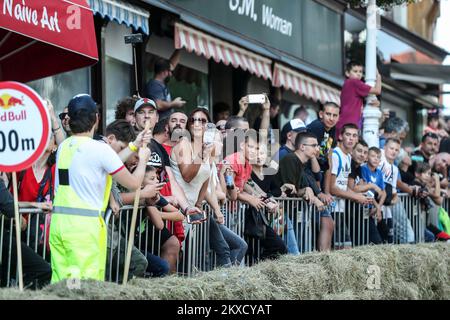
point(156, 89)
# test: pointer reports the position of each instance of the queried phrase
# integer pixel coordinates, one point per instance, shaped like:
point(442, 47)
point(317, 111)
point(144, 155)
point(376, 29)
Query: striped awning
point(122, 12)
point(208, 46)
point(304, 85)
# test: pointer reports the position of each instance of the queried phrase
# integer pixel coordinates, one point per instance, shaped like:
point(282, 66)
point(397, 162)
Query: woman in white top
point(190, 162)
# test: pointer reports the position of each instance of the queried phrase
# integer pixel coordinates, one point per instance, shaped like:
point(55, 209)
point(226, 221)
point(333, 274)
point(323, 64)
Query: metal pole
point(18, 217)
point(135, 70)
point(371, 114)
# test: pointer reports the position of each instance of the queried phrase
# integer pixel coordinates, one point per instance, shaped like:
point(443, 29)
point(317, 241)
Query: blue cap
point(80, 102)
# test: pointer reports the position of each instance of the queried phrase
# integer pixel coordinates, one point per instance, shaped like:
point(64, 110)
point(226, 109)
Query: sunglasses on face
point(62, 115)
point(202, 120)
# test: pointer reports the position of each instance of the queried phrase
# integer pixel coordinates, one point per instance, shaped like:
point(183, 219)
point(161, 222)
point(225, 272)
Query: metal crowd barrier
point(33, 236)
point(351, 228)
point(409, 220)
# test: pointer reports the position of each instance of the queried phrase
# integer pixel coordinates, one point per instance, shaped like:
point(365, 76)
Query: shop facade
point(226, 53)
point(230, 48)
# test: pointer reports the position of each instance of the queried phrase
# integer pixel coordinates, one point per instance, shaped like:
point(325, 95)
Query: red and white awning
point(304, 85)
point(221, 51)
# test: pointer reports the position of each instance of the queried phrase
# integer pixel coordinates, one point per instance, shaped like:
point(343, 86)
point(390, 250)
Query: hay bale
point(406, 272)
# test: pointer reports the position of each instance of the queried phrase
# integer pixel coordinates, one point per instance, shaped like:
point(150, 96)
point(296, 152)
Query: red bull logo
point(7, 101)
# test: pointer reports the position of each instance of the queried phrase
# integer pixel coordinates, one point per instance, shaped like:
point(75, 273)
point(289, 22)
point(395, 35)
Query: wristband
point(132, 147)
point(54, 130)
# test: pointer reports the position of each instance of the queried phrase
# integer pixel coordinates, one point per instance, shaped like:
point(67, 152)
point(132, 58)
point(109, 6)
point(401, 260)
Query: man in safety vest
point(85, 169)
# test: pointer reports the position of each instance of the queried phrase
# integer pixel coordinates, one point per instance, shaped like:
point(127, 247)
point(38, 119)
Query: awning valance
point(203, 44)
point(122, 12)
point(304, 85)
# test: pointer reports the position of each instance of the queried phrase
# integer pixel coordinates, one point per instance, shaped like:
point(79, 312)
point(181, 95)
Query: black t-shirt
point(407, 177)
point(356, 172)
point(325, 139)
point(158, 159)
point(293, 171)
point(416, 157)
point(268, 184)
point(445, 145)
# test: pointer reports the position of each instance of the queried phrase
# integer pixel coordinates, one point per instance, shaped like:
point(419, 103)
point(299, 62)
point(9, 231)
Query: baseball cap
point(81, 102)
point(144, 102)
point(296, 125)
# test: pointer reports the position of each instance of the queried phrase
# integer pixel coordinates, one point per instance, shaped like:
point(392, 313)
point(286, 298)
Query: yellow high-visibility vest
point(77, 230)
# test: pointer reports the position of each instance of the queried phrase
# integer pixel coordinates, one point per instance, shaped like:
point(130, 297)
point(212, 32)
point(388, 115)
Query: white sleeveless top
point(191, 189)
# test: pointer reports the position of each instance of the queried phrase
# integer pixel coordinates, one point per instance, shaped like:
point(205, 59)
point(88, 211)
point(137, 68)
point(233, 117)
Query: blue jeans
point(218, 244)
point(429, 236)
point(157, 267)
point(291, 239)
point(238, 246)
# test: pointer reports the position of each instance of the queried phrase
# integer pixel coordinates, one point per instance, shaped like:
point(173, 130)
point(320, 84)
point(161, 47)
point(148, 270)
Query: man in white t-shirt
point(84, 172)
point(390, 176)
point(340, 170)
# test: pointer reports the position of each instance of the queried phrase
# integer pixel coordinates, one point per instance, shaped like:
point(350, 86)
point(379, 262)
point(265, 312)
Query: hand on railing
point(309, 195)
point(272, 205)
point(219, 217)
point(115, 207)
point(319, 204)
point(326, 198)
point(288, 190)
point(376, 213)
point(23, 223)
point(47, 207)
point(257, 203)
point(363, 199)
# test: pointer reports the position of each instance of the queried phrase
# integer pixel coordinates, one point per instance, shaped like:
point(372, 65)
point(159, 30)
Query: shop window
point(190, 78)
point(322, 36)
point(62, 87)
point(118, 85)
point(189, 84)
point(118, 68)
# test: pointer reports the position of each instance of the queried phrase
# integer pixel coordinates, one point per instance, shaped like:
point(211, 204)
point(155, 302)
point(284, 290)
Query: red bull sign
point(24, 126)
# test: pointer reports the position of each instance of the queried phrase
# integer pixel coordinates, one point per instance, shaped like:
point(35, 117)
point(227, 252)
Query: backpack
point(444, 221)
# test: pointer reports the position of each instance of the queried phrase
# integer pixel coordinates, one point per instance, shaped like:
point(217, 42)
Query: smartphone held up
point(197, 217)
point(256, 98)
point(210, 133)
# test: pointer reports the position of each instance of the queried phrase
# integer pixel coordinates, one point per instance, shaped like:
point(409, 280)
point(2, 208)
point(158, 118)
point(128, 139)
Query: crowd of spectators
point(185, 160)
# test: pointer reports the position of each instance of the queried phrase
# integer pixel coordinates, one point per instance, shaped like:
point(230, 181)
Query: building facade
point(231, 48)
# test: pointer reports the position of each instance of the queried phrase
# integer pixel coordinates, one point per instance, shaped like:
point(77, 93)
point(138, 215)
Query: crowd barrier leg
point(2, 228)
point(8, 276)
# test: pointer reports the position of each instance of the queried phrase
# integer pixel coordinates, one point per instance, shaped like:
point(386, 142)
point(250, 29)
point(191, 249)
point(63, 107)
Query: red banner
point(29, 28)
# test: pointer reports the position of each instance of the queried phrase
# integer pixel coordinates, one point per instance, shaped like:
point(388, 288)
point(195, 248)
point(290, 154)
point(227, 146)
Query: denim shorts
point(325, 214)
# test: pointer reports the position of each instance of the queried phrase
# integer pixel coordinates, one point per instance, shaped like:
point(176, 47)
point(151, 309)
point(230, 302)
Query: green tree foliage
point(380, 3)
